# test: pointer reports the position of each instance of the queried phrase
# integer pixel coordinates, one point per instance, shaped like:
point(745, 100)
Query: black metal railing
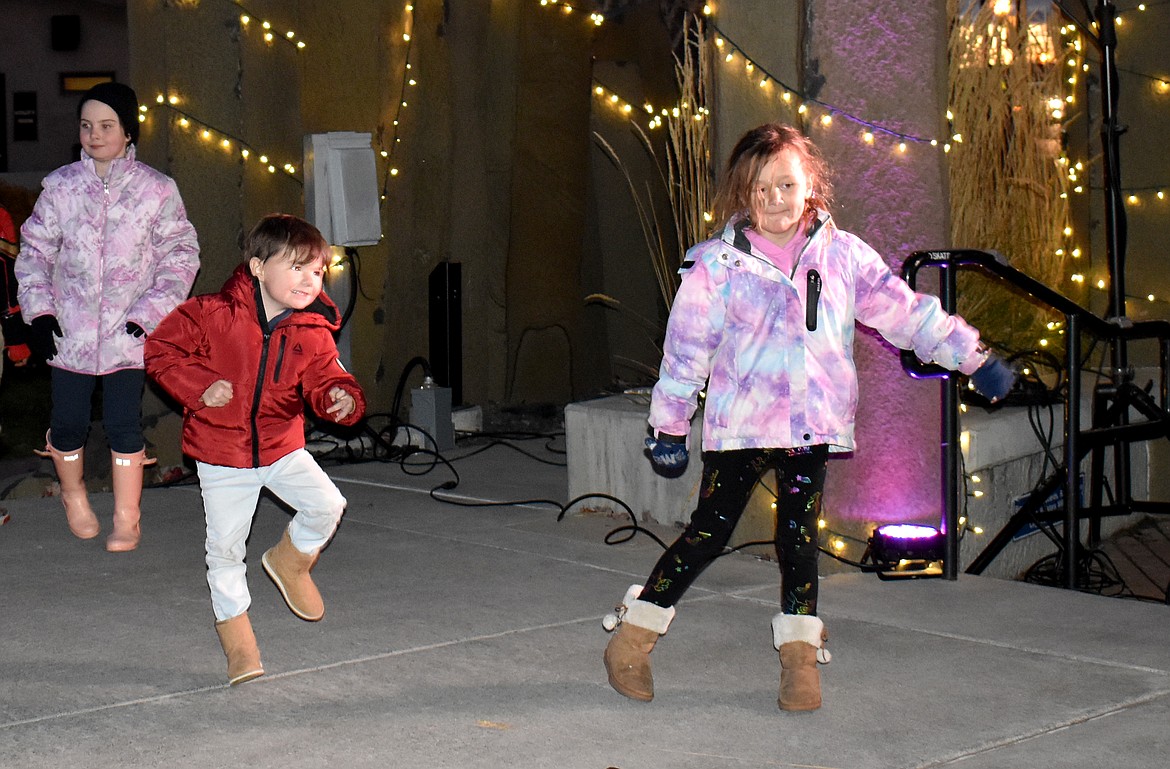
point(1111, 425)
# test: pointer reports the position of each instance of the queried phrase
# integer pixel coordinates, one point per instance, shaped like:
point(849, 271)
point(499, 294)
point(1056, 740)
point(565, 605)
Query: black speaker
point(65, 32)
point(445, 293)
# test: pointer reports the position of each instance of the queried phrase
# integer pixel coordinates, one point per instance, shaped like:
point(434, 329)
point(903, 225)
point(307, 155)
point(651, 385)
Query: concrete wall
point(492, 154)
point(885, 61)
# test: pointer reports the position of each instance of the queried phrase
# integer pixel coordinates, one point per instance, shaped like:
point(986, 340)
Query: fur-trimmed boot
point(239, 646)
point(126, 471)
point(70, 467)
point(637, 626)
point(800, 639)
point(289, 568)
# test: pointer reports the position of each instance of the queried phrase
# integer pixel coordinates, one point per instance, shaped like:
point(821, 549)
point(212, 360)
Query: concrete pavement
point(471, 637)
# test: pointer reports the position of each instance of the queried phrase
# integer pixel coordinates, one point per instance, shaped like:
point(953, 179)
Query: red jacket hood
point(243, 287)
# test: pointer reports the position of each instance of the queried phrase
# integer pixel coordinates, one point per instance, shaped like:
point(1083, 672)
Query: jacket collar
point(733, 233)
point(118, 166)
point(243, 288)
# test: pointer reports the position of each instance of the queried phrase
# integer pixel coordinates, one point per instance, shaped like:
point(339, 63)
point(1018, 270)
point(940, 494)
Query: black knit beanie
point(121, 99)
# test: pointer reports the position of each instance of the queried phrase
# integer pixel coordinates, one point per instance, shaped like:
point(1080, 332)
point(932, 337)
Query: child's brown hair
point(751, 153)
point(288, 234)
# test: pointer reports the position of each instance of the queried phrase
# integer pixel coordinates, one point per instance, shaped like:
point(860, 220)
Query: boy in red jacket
point(238, 362)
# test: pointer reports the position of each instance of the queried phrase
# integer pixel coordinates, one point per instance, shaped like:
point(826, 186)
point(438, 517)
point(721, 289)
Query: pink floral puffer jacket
point(99, 254)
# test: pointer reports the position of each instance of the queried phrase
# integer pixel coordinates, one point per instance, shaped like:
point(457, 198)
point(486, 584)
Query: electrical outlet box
point(430, 410)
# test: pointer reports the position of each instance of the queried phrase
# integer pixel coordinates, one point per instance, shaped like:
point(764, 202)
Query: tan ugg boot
point(70, 467)
point(239, 646)
point(627, 655)
point(126, 471)
point(289, 568)
point(800, 639)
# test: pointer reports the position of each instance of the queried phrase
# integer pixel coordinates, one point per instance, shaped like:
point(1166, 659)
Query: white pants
point(230, 495)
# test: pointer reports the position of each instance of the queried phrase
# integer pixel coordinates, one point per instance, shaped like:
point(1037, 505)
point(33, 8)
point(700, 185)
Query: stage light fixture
point(906, 551)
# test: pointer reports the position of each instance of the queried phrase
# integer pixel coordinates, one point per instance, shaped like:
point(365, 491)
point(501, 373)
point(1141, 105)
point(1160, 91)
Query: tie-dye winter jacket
point(100, 254)
point(741, 326)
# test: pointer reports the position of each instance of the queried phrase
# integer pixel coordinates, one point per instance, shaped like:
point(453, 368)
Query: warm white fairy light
point(247, 17)
point(209, 133)
point(731, 53)
point(389, 146)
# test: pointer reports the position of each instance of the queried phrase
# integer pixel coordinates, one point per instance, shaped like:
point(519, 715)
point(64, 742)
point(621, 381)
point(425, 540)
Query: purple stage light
point(906, 551)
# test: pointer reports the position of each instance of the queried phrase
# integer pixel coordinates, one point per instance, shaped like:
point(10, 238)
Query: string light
point(210, 134)
point(247, 17)
point(732, 51)
point(387, 148)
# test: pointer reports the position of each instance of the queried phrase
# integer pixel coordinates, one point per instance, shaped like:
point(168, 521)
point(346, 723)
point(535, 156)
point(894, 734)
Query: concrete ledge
point(605, 445)
point(605, 442)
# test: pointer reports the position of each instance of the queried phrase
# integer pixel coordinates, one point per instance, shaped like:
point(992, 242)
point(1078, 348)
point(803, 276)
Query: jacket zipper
point(102, 264)
point(266, 333)
point(256, 400)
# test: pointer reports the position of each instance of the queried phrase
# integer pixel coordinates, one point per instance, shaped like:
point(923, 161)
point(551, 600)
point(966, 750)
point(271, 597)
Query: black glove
point(668, 454)
point(994, 379)
point(40, 338)
point(135, 330)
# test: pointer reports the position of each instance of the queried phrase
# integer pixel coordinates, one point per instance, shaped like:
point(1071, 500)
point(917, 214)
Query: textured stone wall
point(884, 61)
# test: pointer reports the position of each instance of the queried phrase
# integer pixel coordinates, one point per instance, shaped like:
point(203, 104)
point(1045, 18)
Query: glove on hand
point(994, 379)
point(135, 330)
point(668, 454)
point(44, 327)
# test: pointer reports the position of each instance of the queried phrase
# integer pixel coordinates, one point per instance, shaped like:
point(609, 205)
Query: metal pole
point(1072, 429)
point(1115, 231)
point(1115, 240)
point(950, 447)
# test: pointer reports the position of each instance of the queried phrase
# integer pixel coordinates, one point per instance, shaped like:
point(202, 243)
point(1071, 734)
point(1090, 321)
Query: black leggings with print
point(728, 480)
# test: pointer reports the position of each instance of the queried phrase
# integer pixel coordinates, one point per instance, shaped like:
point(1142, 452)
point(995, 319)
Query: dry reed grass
point(684, 171)
point(1005, 179)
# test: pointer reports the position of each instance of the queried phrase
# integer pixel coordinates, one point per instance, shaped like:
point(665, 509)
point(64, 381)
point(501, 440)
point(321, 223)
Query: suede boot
point(70, 467)
point(627, 656)
point(126, 470)
point(289, 568)
point(239, 646)
point(800, 639)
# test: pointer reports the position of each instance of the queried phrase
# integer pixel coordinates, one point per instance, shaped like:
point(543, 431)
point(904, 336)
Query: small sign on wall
point(24, 116)
point(80, 82)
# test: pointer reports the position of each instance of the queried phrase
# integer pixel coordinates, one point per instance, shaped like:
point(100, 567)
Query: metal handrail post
point(948, 295)
point(1072, 428)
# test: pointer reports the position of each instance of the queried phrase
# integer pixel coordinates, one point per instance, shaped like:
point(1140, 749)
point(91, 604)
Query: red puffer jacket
point(220, 336)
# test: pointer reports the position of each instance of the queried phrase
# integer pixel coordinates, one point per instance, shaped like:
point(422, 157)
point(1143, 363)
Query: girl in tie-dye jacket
point(764, 320)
